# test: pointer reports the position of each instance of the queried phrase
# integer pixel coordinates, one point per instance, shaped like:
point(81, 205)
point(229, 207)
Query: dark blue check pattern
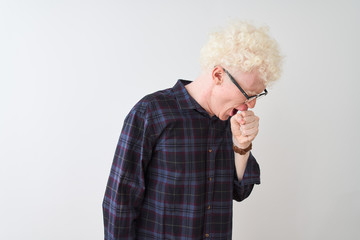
point(173, 174)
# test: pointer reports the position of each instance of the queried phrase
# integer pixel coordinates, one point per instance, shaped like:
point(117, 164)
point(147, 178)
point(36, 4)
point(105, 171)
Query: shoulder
point(156, 103)
point(151, 114)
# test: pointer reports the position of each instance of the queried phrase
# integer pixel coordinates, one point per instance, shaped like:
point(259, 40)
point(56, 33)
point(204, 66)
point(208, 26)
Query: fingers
point(249, 125)
point(244, 127)
point(251, 119)
point(250, 132)
point(248, 117)
point(247, 113)
point(252, 124)
point(247, 139)
point(249, 129)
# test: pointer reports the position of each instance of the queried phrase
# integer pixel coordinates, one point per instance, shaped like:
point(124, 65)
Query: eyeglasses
point(248, 98)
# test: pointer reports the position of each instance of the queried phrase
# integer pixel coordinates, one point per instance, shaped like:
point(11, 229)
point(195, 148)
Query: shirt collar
point(183, 98)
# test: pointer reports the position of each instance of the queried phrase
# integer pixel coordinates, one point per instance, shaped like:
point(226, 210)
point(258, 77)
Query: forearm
point(247, 172)
point(240, 160)
point(240, 164)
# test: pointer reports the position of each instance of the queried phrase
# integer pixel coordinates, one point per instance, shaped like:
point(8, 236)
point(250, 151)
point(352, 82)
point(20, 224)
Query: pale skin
point(214, 91)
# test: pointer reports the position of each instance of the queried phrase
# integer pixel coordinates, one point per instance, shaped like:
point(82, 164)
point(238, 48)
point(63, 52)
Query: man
point(184, 152)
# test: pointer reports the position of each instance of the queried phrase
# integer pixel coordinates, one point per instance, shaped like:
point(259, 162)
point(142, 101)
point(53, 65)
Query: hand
point(244, 127)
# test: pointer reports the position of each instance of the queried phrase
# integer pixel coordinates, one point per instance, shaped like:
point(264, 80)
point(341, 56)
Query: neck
point(201, 90)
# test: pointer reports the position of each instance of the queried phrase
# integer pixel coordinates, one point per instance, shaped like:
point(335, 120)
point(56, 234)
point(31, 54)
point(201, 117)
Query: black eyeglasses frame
point(248, 98)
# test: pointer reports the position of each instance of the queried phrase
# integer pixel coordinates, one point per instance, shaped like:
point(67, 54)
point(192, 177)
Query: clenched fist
point(244, 127)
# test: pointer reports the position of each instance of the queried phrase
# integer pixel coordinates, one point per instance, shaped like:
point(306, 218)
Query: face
point(227, 99)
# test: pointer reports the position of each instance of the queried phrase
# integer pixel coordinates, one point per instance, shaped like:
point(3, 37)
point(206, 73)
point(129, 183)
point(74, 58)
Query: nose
point(251, 104)
point(247, 105)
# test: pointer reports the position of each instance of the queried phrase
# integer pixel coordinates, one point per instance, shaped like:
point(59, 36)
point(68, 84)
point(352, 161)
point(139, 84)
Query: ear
point(217, 75)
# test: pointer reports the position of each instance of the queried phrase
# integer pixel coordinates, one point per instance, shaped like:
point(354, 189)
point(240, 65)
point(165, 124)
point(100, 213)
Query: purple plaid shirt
point(173, 175)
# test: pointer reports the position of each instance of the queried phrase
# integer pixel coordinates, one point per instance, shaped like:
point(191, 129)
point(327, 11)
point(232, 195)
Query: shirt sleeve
point(126, 186)
point(243, 188)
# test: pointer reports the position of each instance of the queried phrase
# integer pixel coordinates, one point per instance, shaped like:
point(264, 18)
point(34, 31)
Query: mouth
point(233, 112)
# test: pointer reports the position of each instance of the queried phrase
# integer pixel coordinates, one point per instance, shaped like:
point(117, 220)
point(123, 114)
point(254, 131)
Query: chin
point(224, 118)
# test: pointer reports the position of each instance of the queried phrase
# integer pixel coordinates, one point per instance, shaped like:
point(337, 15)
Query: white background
point(70, 71)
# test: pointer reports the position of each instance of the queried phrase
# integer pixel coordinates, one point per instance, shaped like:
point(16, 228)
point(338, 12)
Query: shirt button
point(207, 235)
point(210, 150)
point(210, 179)
point(209, 207)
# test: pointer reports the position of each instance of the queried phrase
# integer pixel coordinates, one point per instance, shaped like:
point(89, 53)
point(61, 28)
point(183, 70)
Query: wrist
point(242, 151)
point(240, 145)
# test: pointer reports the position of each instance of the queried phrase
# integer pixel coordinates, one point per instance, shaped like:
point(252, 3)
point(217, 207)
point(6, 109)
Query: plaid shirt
point(173, 175)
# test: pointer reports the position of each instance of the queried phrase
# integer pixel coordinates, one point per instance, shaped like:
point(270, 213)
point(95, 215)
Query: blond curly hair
point(242, 46)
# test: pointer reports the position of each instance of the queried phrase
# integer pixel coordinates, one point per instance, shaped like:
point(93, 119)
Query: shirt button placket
point(210, 183)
